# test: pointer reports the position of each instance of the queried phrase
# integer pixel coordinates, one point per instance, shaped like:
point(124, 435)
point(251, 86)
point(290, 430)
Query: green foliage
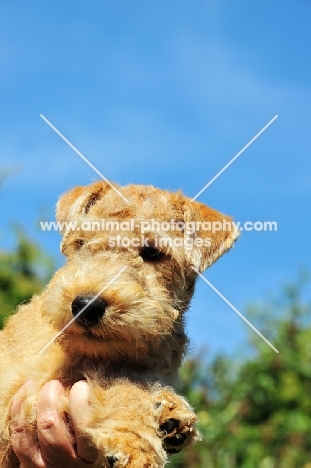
point(23, 272)
point(259, 413)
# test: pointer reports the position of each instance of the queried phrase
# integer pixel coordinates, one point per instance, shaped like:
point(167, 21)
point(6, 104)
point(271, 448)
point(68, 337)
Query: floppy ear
point(75, 204)
point(208, 235)
point(73, 207)
point(65, 207)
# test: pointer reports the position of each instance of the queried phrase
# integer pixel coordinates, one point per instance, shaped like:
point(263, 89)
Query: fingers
point(78, 409)
point(54, 437)
point(54, 446)
point(23, 440)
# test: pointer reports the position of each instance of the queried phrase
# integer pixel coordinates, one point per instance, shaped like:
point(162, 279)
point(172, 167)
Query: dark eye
point(150, 254)
point(78, 244)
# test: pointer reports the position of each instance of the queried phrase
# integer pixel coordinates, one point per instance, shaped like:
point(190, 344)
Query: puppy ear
point(208, 235)
point(72, 208)
point(75, 204)
point(65, 206)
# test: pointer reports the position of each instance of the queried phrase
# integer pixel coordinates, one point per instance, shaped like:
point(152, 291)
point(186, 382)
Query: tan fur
point(133, 354)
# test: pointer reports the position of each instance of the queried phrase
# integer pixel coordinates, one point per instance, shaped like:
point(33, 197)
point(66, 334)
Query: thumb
point(79, 411)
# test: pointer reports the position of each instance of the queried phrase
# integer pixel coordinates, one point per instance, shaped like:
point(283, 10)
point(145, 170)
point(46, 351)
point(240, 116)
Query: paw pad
point(176, 440)
point(169, 426)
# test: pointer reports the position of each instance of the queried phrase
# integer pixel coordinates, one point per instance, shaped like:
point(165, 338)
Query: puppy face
point(131, 267)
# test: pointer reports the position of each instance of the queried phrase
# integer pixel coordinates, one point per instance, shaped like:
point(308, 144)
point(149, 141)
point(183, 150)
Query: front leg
point(123, 425)
point(133, 425)
point(177, 422)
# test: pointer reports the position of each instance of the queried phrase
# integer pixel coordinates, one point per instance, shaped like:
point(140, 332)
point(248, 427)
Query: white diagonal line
point(235, 310)
point(83, 157)
point(81, 311)
point(235, 157)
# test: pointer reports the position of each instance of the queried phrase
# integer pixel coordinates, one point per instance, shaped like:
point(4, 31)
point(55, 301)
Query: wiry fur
point(135, 351)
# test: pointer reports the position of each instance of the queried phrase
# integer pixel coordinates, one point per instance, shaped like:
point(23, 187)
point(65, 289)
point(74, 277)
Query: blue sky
point(166, 92)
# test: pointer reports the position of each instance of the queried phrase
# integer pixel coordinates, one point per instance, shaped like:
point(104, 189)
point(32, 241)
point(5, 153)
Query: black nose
point(88, 309)
point(112, 461)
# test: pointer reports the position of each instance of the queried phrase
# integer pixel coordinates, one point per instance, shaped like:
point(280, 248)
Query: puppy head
point(143, 308)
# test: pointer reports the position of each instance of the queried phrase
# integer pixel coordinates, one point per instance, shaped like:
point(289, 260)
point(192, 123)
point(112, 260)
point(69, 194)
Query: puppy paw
point(177, 423)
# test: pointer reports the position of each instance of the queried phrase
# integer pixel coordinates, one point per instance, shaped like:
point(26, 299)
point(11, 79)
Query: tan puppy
point(116, 310)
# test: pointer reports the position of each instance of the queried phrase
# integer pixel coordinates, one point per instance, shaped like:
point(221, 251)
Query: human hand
point(55, 447)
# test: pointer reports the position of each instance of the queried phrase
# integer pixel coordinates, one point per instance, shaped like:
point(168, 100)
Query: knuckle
point(18, 429)
point(47, 422)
